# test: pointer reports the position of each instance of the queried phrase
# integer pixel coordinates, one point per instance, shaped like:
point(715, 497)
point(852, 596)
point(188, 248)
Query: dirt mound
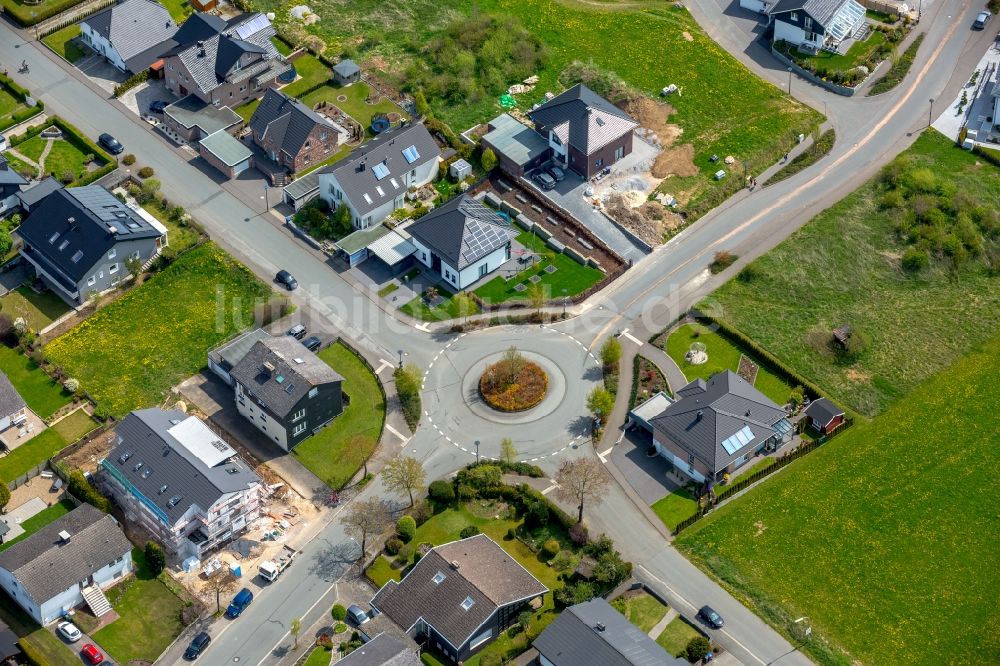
point(647, 221)
point(677, 161)
point(655, 116)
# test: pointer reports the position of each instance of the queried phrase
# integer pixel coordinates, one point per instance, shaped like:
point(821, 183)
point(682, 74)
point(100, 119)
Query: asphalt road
point(870, 132)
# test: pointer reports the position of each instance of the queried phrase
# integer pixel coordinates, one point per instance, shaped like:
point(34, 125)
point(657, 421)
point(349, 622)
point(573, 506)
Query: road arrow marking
point(602, 455)
point(383, 365)
point(550, 488)
point(632, 337)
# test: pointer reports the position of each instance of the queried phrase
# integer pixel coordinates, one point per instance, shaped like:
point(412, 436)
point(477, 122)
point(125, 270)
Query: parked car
point(157, 106)
point(197, 646)
point(981, 20)
point(3, 142)
point(287, 279)
point(710, 617)
point(112, 144)
point(239, 603)
point(557, 174)
point(312, 343)
point(298, 331)
point(544, 180)
point(92, 654)
point(357, 615)
point(69, 631)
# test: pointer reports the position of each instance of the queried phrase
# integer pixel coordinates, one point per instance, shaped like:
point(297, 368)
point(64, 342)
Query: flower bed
point(517, 391)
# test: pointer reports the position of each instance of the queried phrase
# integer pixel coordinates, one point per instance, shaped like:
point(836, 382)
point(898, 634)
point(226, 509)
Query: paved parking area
point(101, 72)
point(647, 475)
point(139, 98)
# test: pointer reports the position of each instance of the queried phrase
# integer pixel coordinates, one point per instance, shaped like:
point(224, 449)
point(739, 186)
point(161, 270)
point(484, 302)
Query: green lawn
point(40, 520)
point(891, 524)
point(149, 616)
point(856, 55)
point(51, 651)
point(326, 453)
point(8, 102)
point(355, 105)
point(246, 111)
point(62, 158)
point(570, 276)
point(418, 309)
point(675, 637)
point(283, 48)
point(722, 355)
point(39, 310)
point(675, 507)
point(179, 9)
point(311, 73)
point(61, 42)
point(30, 14)
point(843, 268)
point(161, 329)
point(43, 395)
point(643, 610)
point(179, 236)
point(74, 426)
point(46, 444)
point(318, 657)
point(19, 165)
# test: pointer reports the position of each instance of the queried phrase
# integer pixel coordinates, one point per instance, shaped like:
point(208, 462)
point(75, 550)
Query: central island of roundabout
point(523, 383)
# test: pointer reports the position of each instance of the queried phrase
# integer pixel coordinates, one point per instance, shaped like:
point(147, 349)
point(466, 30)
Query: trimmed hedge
point(989, 154)
point(27, 15)
point(79, 141)
point(131, 82)
point(898, 71)
point(20, 93)
point(814, 153)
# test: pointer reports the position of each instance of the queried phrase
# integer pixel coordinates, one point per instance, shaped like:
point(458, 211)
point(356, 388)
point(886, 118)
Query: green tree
point(342, 219)
point(442, 491)
point(697, 648)
point(338, 612)
point(507, 450)
point(403, 474)
point(537, 297)
point(294, 628)
point(5, 241)
point(464, 305)
point(406, 528)
point(488, 160)
point(611, 352)
point(4, 496)
point(600, 403)
point(149, 190)
point(420, 102)
point(155, 559)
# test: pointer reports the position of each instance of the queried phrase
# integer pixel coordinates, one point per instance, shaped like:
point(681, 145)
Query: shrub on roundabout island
point(513, 384)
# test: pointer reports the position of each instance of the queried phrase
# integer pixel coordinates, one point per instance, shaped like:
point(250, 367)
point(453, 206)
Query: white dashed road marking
point(632, 337)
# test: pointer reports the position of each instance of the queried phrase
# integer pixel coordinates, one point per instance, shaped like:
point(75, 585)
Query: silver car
point(69, 631)
point(545, 181)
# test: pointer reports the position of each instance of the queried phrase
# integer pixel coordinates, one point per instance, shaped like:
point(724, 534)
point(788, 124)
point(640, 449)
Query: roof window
point(77, 256)
point(380, 170)
point(468, 603)
point(438, 577)
point(411, 154)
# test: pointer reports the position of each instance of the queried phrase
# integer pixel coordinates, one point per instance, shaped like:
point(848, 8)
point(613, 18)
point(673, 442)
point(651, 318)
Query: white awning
point(392, 248)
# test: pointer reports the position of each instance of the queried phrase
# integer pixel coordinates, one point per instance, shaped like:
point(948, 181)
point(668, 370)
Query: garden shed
point(460, 169)
point(346, 72)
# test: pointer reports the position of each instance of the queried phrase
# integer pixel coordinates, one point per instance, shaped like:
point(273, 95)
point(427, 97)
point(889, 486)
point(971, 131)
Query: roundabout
point(455, 407)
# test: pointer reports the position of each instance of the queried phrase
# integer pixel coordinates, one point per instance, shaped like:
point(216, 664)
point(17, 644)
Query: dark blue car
point(239, 603)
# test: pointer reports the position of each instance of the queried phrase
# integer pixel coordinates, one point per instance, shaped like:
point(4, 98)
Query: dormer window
point(794, 16)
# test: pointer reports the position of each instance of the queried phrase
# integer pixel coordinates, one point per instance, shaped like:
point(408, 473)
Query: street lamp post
point(789, 81)
point(477, 451)
point(265, 196)
point(930, 113)
point(400, 359)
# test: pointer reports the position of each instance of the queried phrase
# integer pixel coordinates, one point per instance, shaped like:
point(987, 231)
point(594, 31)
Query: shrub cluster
point(80, 488)
point(900, 68)
point(408, 389)
point(316, 219)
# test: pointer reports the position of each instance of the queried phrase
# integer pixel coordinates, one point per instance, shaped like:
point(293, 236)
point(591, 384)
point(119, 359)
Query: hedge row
point(131, 82)
point(898, 71)
point(27, 14)
point(814, 153)
point(21, 94)
point(989, 154)
point(79, 141)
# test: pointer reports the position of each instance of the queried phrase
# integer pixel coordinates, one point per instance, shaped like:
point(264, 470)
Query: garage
point(226, 153)
point(758, 6)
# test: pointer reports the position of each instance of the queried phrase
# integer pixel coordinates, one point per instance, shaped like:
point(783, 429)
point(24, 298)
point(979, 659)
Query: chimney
point(454, 565)
point(64, 537)
point(71, 220)
point(599, 626)
point(269, 366)
point(361, 165)
point(699, 415)
point(200, 43)
point(201, 53)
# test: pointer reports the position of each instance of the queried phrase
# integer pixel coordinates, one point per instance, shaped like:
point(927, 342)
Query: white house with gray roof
point(817, 24)
point(463, 240)
point(82, 552)
point(132, 34)
point(373, 180)
point(178, 479)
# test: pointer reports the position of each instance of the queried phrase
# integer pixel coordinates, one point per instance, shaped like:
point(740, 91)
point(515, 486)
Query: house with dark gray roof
point(373, 180)
point(585, 132)
point(813, 25)
point(460, 596)
point(224, 63)
point(384, 650)
point(291, 134)
point(518, 148)
point(11, 183)
point(76, 556)
point(463, 240)
point(286, 391)
point(714, 427)
point(79, 239)
point(595, 633)
point(131, 35)
point(30, 196)
point(224, 358)
point(12, 405)
point(175, 477)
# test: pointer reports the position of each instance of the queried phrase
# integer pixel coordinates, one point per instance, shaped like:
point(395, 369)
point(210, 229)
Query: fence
point(19, 481)
point(71, 15)
point(891, 8)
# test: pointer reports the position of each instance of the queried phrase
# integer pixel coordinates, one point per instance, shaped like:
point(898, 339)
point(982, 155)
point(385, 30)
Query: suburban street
point(870, 132)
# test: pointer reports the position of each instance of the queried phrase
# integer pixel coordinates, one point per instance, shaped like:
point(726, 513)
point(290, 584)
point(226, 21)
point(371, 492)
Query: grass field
point(179, 236)
point(311, 73)
point(675, 507)
point(355, 105)
point(74, 426)
point(856, 55)
point(418, 309)
point(161, 329)
point(318, 657)
point(40, 520)
point(893, 521)
point(43, 395)
point(61, 42)
point(39, 310)
point(844, 268)
point(149, 617)
point(643, 610)
point(179, 9)
point(722, 355)
point(30, 14)
point(62, 158)
point(326, 453)
point(676, 635)
point(45, 444)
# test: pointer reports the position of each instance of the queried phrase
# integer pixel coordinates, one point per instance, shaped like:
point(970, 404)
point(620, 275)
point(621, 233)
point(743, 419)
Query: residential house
point(716, 426)
point(29, 197)
point(67, 562)
point(346, 72)
point(171, 474)
point(384, 650)
point(224, 358)
point(373, 180)
point(817, 24)
point(79, 239)
point(11, 183)
point(595, 633)
point(286, 391)
point(460, 596)
point(824, 416)
point(585, 132)
point(463, 240)
point(293, 135)
point(191, 119)
point(9, 647)
point(131, 35)
point(13, 410)
point(224, 63)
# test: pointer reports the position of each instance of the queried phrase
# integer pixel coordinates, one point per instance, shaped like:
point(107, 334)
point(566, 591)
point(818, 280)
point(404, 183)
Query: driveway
point(138, 99)
point(647, 475)
point(85, 638)
point(14, 278)
point(101, 72)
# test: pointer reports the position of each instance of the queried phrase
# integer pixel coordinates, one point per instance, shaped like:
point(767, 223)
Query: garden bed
point(519, 392)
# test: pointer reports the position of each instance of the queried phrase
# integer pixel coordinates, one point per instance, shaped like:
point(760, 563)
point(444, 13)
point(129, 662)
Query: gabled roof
point(718, 421)
point(10, 400)
point(583, 119)
point(198, 27)
point(295, 371)
point(595, 633)
point(383, 650)
point(72, 229)
point(229, 51)
point(158, 448)
point(45, 565)
point(286, 121)
point(357, 173)
point(229, 354)
point(39, 191)
point(462, 231)
point(135, 27)
point(8, 176)
point(823, 411)
point(457, 587)
point(820, 11)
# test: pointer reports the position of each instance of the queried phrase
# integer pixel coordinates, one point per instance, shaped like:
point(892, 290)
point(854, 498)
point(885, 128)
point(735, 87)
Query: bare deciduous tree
point(364, 519)
point(222, 581)
point(580, 481)
point(404, 474)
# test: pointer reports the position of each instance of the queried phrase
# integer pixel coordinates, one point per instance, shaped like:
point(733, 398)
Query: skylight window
point(395, 185)
point(468, 603)
point(438, 577)
point(123, 457)
point(600, 121)
point(77, 256)
point(146, 472)
point(368, 198)
point(380, 191)
point(174, 501)
point(380, 170)
point(62, 246)
point(734, 443)
point(411, 154)
point(53, 238)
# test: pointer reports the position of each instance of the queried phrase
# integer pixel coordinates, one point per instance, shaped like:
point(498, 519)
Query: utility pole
point(930, 113)
point(477, 451)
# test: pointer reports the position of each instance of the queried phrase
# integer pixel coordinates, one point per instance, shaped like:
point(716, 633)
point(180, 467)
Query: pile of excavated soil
point(641, 221)
point(676, 161)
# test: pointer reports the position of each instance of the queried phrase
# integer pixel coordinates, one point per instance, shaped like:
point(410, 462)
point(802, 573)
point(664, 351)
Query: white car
point(69, 631)
point(3, 142)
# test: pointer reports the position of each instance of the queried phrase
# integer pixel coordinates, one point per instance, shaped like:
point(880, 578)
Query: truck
point(269, 570)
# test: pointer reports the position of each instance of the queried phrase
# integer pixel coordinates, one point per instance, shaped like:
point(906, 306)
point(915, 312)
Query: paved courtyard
point(22, 513)
point(647, 475)
point(101, 72)
point(139, 98)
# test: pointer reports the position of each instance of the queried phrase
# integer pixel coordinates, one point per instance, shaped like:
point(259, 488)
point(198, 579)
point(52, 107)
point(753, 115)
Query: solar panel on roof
point(380, 170)
point(735, 442)
point(411, 154)
point(252, 27)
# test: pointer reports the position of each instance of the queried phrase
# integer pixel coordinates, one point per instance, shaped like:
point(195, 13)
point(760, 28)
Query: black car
point(312, 343)
point(710, 617)
point(981, 20)
point(157, 106)
point(197, 646)
point(112, 144)
point(298, 331)
point(557, 174)
point(287, 279)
